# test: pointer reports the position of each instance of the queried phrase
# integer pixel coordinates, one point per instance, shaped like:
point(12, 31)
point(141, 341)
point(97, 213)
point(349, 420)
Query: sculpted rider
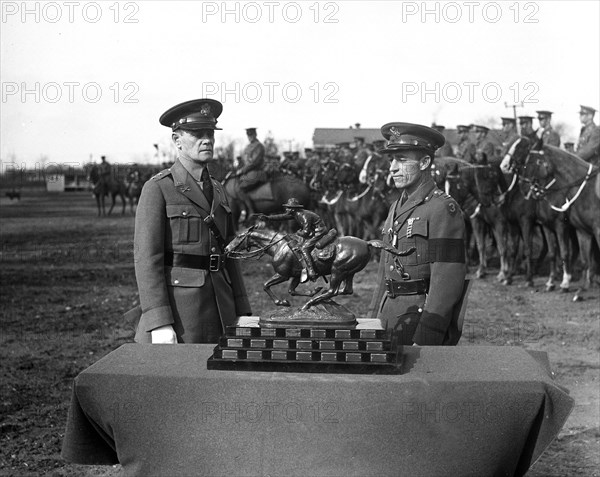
point(312, 229)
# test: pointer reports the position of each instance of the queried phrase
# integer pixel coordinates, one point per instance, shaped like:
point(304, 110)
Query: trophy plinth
point(363, 347)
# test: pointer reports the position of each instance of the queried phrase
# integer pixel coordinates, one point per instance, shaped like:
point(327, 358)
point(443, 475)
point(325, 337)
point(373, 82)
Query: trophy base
point(327, 314)
point(364, 348)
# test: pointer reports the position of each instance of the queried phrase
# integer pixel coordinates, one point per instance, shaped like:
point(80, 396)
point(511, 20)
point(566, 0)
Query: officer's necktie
point(207, 186)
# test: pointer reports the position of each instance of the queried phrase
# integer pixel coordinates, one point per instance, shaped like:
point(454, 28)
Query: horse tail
point(380, 245)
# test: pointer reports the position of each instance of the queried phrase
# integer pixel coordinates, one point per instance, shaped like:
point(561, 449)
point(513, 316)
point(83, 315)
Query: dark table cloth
point(456, 411)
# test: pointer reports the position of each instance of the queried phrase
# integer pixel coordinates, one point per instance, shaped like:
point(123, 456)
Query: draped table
point(466, 410)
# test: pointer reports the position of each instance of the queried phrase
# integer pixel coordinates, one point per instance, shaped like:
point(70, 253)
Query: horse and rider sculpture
point(315, 251)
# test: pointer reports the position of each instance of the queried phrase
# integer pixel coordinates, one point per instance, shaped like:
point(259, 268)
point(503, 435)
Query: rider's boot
point(312, 274)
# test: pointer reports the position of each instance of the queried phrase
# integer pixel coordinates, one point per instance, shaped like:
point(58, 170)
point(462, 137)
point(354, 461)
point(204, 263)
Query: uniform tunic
point(432, 222)
point(466, 150)
point(549, 137)
point(486, 146)
point(198, 303)
point(252, 172)
point(588, 146)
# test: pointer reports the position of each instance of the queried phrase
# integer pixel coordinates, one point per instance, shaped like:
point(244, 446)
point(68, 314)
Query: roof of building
point(331, 137)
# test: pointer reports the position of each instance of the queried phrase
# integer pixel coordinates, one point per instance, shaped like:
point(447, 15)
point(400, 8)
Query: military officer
point(545, 132)
point(588, 146)
point(251, 173)
point(482, 143)
point(446, 149)
point(526, 125)
point(361, 154)
point(188, 290)
point(105, 169)
point(509, 134)
point(420, 299)
point(466, 148)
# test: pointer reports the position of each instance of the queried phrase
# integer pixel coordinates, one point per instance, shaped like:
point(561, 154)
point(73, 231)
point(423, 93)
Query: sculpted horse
point(566, 185)
point(102, 187)
point(341, 260)
point(267, 198)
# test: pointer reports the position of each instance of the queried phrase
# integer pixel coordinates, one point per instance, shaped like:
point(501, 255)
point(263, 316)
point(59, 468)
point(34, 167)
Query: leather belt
point(212, 263)
point(396, 288)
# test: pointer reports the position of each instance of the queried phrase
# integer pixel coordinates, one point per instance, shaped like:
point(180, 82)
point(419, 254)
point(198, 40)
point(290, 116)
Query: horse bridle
point(258, 253)
point(540, 191)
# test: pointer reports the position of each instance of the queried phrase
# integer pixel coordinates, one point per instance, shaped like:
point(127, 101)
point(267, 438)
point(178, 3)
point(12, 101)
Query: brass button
point(184, 213)
point(213, 250)
point(391, 268)
point(176, 282)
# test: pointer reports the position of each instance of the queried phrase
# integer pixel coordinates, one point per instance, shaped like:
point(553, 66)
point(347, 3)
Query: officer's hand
point(164, 335)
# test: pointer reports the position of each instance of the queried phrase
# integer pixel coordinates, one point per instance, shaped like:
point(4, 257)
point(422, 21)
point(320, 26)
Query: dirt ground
point(67, 277)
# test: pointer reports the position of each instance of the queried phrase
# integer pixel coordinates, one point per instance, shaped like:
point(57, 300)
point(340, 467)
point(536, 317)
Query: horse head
point(538, 172)
point(485, 182)
point(238, 242)
point(516, 155)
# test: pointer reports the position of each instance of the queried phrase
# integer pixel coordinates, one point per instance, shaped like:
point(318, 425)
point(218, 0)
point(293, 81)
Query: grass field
point(67, 277)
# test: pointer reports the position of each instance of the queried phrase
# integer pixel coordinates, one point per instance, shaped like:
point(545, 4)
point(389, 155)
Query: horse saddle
point(325, 253)
point(262, 192)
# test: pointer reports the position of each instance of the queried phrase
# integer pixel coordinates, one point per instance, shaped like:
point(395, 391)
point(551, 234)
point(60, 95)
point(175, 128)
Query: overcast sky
point(84, 79)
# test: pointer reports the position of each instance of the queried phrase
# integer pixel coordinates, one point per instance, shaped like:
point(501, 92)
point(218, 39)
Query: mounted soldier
point(509, 134)
point(105, 170)
point(312, 229)
point(526, 124)
point(446, 149)
point(545, 132)
point(588, 146)
point(482, 143)
point(251, 173)
point(362, 153)
point(466, 148)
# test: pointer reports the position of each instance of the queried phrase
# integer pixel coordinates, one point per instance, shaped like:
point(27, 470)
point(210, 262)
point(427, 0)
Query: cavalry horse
point(565, 184)
point(103, 187)
point(478, 189)
point(341, 259)
point(267, 198)
point(133, 188)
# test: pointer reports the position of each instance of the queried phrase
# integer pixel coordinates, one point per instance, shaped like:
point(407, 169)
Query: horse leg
point(348, 284)
point(334, 286)
point(553, 255)
point(499, 229)
point(103, 204)
point(294, 282)
point(98, 205)
point(113, 199)
point(513, 245)
point(124, 201)
point(479, 234)
point(275, 280)
point(562, 237)
point(527, 228)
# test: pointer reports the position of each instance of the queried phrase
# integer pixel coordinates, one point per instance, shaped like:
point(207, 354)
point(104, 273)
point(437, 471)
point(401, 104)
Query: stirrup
point(303, 276)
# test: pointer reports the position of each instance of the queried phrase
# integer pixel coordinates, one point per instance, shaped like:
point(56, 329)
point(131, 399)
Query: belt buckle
point(214, 264)
point(389, 285)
